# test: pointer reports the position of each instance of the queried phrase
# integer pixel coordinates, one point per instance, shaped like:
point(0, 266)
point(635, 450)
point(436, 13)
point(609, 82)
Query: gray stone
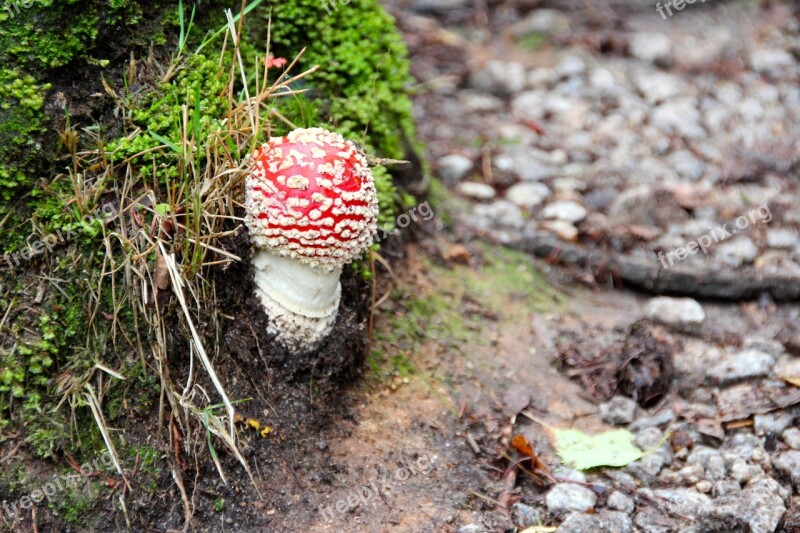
point(653, 47)
point(565, 230)
point(661, 419)
point(737, 252)
point(740, 366)
point(771, 346)
point(477, 191)
point(650, 520)
point(619, 501)
point(562, 473)
point(565, 210)
point(603, 80)
point(475, 102)
point(454, 167)
point(547, 21)
point(525, 164)
point(757, 509)
point(782, 238)
point(675, 312)
point(567, 497)
point(682, 501)
point(686, 165)
point(649, 438)
point(527, 195)
point(525, 515)
point(501, 214)
point(774, 422)
point(498, 77)
point(715, 468)
point(571, 65)
point(618, 410)
point(725, 487)
point(791, 436)
point(657, 87)
point(770, 60)
point(605, 521)
point(788, 462)
point(679, 117)
point(470, 528)
point(438, 5)
point(742, 472)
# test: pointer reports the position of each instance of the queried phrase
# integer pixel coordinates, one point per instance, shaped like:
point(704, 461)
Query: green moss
point(361, 87)
point(21, 120)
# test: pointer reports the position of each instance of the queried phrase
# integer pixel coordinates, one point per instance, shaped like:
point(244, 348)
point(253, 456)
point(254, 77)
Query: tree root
point(647, 273)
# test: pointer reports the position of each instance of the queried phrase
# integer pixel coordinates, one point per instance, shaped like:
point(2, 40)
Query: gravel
point(567, 497)
point(675, 312)
point(620, 410)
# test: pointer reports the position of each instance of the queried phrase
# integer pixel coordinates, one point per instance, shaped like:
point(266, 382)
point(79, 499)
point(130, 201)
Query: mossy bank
point(99, 101)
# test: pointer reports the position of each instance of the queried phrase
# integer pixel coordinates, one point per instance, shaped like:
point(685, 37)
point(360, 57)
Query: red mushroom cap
point(311, 196)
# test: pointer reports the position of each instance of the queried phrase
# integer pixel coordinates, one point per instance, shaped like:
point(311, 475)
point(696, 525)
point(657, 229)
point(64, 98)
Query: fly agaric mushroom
point(311, 208)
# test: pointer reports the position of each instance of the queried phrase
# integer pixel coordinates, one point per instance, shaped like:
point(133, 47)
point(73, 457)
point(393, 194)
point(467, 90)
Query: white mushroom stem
point(301, 301)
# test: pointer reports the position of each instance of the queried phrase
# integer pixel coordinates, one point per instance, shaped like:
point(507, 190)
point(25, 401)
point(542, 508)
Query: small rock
point(565, 230)
point(789, 463)
point(675, 312)
point(470, 528)
point(527, 195)
point(705, 486)
point(619, 501)
point(683, 501)
point(438, 5)
point(652, 520)
point(782, 238)
point(525, 515)
point(527, 165)
point(501, 213)
point(743, 472)
point(569, 497)
point(740, 366)
point(546, 21)
point(477, 191)
point(562, 473)
point(603, 81)
point(715, 468)
point(661, 419)
point(679, 117)
point(774, 422)
point(619, 410)
point(757, 509)
point(791, 436)
point(454, 167)
point(653, 47)
point(687, 165)
point(725, 487)
point(737, 252)
point(605, 521)
point(770, 60)
point(570, 66)
point(565, 210)
point(501, 78)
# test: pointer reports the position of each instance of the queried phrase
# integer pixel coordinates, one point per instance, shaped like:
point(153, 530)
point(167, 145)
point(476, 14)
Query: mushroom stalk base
point(301, 301)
